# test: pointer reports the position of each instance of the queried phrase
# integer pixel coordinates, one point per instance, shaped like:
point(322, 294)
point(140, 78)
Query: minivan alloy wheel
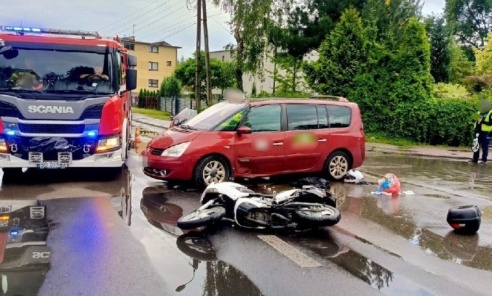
point(214, 171)
point(338, 166)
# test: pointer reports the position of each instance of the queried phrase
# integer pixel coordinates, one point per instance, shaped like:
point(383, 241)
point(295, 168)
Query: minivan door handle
point(278, 144)
point(322, 140)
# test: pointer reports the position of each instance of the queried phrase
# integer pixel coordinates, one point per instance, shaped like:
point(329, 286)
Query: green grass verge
point(381, 138)
point(157, 114)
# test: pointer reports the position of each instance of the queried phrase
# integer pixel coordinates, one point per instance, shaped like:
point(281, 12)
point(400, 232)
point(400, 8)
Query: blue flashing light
point(92, 133)
point(14, 232)
point(10, 133)
point(22, 29)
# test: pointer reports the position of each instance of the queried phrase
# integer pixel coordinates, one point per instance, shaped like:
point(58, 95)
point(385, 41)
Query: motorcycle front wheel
point(318, 215)
point(201, 218)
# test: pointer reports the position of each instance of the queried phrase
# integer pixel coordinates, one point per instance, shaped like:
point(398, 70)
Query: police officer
point(483, 127)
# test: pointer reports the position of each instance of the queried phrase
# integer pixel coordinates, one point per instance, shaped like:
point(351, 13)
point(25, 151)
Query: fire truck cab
point(65, 99)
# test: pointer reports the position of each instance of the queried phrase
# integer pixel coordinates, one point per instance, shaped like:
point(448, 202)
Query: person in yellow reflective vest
point(483, 127)
point(26, 78)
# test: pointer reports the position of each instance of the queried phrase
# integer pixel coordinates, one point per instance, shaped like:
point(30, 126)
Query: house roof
point(159, 43)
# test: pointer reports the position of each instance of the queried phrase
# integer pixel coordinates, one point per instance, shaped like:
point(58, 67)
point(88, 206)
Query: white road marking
point(289, 251)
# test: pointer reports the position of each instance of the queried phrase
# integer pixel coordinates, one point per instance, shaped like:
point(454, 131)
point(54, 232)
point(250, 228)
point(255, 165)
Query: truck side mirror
point(132, 61)
point(131, 79)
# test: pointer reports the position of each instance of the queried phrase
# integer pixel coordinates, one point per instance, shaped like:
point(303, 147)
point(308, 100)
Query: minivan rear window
point(339, 116)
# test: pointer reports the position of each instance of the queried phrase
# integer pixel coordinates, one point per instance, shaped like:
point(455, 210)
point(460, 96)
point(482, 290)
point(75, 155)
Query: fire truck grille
point(92, 112)
point(9, 110)
point(51, 128)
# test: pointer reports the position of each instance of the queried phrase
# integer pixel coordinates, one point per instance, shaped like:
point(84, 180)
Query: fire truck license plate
point(52, 165)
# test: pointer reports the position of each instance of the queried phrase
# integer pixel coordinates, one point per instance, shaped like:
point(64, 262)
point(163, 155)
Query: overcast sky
point(154, 20)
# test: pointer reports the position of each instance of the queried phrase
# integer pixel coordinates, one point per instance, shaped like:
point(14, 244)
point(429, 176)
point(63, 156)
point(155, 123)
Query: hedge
point(432, 121)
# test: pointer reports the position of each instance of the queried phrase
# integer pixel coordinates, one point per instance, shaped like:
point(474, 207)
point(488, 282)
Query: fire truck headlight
point(108, 143)
point(3, 146)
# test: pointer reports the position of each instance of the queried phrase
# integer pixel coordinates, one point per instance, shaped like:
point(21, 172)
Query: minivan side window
point(301, 117)
point(263, 118)
point(230, 124)
point(322, 117)
point(339, 116)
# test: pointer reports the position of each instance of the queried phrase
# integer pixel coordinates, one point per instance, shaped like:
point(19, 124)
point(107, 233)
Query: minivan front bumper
point(167, 168)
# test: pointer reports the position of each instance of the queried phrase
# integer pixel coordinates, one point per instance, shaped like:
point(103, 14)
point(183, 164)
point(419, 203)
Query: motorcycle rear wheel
point(318, 215)
point(201, 218)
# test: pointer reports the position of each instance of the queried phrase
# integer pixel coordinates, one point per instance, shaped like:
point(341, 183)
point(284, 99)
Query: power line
point(162, 18)
point(147, 17)
point(221, 25)
point(128, 16)
point(179, 31)
point(167, 29)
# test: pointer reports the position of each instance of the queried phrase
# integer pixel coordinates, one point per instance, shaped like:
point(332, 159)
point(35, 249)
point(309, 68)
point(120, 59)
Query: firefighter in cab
point(26, 78)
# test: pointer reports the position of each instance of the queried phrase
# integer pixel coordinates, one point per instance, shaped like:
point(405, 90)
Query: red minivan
point(260, 139)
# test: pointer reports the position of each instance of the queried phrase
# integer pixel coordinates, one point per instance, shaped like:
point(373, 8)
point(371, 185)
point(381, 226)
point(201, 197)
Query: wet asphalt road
point(119, 237)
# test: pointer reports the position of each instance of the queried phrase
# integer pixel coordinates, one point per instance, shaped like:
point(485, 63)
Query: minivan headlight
point(176, 150)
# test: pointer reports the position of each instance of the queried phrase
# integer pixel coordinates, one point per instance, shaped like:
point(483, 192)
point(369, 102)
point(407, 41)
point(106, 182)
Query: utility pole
point(198, 46)
point(133, 30)
point(207, 54)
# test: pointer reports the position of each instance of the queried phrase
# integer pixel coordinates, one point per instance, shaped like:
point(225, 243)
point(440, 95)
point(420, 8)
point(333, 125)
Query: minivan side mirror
point(244, 130)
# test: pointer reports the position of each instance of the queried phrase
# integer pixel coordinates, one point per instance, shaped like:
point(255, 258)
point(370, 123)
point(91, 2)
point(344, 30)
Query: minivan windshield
point(213, 116)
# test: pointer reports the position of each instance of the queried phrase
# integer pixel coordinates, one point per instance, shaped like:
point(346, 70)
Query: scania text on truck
point(65, 99)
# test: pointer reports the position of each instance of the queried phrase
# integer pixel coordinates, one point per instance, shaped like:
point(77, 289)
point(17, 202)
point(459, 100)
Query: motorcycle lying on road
point(302, 208)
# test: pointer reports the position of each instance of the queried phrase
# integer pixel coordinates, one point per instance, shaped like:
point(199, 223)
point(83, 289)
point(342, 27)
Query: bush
point(434, 121)
point(170, 87)
point(450, 91)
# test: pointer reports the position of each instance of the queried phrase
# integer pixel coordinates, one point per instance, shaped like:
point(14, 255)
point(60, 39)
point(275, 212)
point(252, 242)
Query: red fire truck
point(65, 99)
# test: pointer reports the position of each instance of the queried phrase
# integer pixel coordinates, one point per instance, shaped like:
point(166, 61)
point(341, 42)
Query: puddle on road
point(186, 259)
point(219, 278)
point(451, 175)
point(372, 273)
point(25, 258)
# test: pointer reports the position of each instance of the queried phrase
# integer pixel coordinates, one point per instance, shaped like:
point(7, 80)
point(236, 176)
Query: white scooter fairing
point(233, 190)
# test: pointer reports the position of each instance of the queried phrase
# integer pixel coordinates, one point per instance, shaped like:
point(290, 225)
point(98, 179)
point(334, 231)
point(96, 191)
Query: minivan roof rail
point(328, 97)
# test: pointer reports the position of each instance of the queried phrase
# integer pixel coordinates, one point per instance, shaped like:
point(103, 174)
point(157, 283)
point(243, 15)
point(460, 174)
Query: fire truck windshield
point(37, 69)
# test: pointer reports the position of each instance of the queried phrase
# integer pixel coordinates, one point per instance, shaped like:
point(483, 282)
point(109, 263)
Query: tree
point(413, 60)
point(388, 19)
point(249, 24)
point(483, 57)
point(222, 73)
point(471, 20)
point(440, 41)
point(170, 87)
point(341, 57)
point(461, 66)
point(394, 78)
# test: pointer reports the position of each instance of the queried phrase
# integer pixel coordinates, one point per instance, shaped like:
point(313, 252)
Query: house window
point(169, 63)
point(130, 46)
point(153, 66)
point(154, 49)
point(154, 83)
